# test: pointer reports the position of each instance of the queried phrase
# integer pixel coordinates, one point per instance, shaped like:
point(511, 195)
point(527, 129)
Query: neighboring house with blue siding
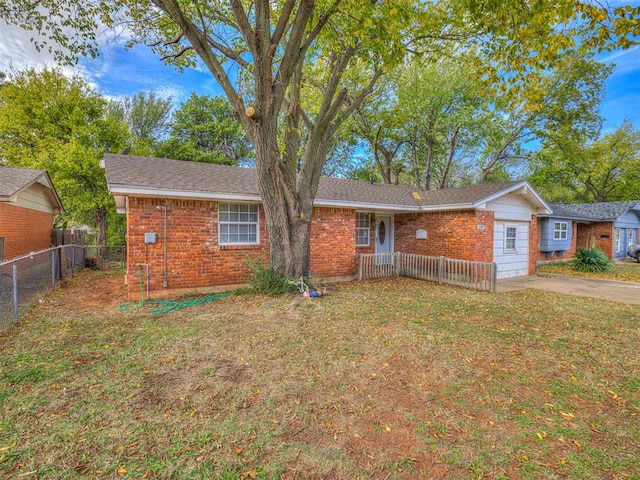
point(608, 226)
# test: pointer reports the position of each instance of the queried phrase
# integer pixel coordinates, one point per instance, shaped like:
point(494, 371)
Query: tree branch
point(283, 21)
point(244, 27)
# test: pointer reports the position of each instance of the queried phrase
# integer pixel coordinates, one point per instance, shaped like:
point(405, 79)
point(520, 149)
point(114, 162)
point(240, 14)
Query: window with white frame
point(238, 224)
point(560, 230)
point(510, 235)
point(618, 241)
point(631, 239)
point(363, 229)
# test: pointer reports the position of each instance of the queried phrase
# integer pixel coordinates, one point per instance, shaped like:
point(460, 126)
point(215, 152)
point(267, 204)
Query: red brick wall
point(195, 260)
point(24, 230)
point(464, 234)
point(333, 242)
point(599, 235)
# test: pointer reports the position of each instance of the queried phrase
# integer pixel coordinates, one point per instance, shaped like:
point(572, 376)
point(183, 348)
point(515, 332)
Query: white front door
point(384, 234)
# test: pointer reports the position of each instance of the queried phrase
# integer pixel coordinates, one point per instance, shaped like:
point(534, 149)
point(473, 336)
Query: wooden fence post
point(441, 266)
point(493, 277)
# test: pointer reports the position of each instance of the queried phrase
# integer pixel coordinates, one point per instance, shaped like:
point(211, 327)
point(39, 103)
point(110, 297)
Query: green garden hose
point(167, 305)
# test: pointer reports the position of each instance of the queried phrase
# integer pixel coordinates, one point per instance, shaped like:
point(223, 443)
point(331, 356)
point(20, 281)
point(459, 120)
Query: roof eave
point(44, 179)
point(450, 206)
point(148, 192)
point(130, 191)
point(320, 202)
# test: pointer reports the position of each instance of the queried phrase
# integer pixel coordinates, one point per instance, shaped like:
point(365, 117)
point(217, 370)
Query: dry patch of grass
point(390, 379)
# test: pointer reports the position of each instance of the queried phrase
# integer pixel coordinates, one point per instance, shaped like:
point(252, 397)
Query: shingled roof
point(15, 180)
point(12, 180)
point(595, 212)
point(147, 176)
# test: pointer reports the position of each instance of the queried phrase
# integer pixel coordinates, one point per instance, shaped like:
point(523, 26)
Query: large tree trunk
point(278, 50)
point(287, 220)
point(100, 216)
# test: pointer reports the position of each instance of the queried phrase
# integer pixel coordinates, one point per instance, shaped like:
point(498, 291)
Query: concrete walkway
point(615, 291)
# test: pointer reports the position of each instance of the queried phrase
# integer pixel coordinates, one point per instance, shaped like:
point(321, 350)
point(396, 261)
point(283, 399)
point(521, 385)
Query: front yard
point(389, 379)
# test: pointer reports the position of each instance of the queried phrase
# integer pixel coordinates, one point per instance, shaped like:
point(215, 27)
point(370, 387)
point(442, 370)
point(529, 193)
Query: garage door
point(511, 248)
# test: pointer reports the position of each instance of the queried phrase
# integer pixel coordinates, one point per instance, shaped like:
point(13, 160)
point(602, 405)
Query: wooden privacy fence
point(463, 273)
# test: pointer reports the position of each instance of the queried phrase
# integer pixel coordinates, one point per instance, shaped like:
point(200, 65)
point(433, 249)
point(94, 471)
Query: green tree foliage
point(602, 170)
point(429, 121)
point(55, 123)
point(563, 102)
point(147, 116)
point(435, 122)
point(205, 129)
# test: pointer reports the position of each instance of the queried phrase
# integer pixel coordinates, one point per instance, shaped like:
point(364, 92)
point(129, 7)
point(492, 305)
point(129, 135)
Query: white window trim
point(256, 223)
point(563, 233)
point(506, 239)
point(367, 228)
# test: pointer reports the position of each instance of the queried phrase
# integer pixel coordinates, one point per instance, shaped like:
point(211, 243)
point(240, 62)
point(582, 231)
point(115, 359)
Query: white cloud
point(17, 52)
point(624, 60)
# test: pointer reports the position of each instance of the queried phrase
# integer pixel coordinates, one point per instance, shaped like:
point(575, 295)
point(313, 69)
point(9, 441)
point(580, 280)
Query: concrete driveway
point(621, 292)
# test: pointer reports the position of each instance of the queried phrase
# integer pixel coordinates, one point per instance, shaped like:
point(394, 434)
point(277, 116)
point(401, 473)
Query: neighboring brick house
point(608, 226)
point(28, 202)
point(191, 226)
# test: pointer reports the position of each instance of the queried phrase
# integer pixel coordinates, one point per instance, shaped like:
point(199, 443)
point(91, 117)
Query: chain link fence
point(26, 279)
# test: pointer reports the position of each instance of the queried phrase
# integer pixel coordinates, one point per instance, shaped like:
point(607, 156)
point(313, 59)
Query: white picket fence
point(463, 273)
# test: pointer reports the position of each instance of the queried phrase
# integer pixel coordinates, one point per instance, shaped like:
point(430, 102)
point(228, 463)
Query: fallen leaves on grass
point(399, 378)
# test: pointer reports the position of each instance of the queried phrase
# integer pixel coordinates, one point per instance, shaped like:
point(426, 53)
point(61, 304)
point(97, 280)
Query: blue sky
point(119, 72)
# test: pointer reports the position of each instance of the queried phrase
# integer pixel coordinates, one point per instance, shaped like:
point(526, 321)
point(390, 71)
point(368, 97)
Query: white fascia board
point(449, 207)
point(153, 192)
point(9, 198)
point(365, 207)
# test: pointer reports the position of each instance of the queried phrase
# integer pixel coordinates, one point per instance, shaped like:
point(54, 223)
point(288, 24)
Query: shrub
point(592, 260)
point(264, 279)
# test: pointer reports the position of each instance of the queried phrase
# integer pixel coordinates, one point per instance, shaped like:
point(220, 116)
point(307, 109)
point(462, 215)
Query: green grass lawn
point(390, 379)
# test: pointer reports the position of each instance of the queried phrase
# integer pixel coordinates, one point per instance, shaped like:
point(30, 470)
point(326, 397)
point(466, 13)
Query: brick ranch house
point(28, 202)
point(191, 226)
point(608, 226)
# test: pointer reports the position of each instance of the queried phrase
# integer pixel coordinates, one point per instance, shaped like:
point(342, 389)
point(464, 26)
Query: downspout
point(164, 240)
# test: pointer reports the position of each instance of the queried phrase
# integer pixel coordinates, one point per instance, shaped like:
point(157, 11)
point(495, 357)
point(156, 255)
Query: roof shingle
point(146, 173)
point(12, 180)
point(602, 211)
